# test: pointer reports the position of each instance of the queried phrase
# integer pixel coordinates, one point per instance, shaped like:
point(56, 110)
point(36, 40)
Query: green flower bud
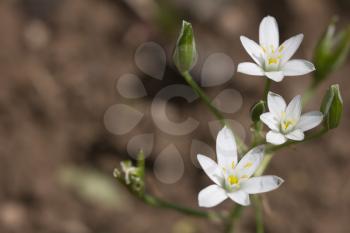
point(331, 51)
point(185, 53)
point(257, 109)
point(332, 107)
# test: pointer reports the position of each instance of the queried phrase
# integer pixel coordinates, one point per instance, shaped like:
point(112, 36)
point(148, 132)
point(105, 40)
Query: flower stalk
point(206, 100)
point(258, 214)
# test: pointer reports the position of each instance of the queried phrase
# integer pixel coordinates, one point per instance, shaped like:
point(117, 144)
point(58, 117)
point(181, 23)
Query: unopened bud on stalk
point(257, 109)
point(332, 107)
point(185, 53)
point(331, 51)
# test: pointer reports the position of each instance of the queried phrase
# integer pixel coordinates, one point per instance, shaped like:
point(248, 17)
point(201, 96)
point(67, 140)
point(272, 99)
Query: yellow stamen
point(288, 123)
point(233, 164)
point(233, 180)
point(273, 60)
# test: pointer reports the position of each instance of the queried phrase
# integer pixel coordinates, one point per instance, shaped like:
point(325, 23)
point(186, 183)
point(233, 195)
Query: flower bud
point(331, 51)
point(332, 107)
point(257, 109)
point(132, 177)
point(185, 53)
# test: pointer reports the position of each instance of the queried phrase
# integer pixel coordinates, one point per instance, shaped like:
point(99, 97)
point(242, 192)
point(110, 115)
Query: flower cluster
point(235, 180)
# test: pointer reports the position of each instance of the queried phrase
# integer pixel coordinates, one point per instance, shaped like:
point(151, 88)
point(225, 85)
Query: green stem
point(156, 202)
point(288, 143)
point(258, 214)
point(235, 213)
point(267, 88)
point(188, 78)
point(270, 150)
point(204, 97)
point(159, 203)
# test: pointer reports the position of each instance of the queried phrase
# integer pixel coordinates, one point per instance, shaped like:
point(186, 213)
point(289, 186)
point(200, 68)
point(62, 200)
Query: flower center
point(287, 125)
point(233, 180)
point(273, 60)
point(272, 57)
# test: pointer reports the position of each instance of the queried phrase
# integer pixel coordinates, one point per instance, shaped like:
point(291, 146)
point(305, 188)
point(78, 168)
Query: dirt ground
point(59, 64)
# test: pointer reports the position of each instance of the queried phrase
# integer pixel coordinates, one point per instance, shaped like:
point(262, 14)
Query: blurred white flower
point(286, 122)
point(233, 180)
point(272, 59)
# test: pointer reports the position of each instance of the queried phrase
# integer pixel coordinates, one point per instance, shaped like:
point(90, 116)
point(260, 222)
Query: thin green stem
point(204, 97)
point(258, 214)
point(270, 150)
point(188, 78)
point(316, 135)
point(235, 213)
point(160, 203)
point(156, 202)
point(267, 88)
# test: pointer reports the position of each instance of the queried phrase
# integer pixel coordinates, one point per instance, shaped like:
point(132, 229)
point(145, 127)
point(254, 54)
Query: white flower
point(233, 180)
point(272, 59)
point(286, 122)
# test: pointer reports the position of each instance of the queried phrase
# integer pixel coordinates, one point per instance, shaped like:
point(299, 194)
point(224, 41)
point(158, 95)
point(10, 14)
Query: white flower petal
point(261, 184)
point(250, 162)
point(250, 69)
point(276, 76)
point(210, 168)
point(226, 149)
point(253, 49)
point(276, 104)
point(275, 138)
point(297, 67)
point(211, 196)
point(296, 135)
point(289, 47)
point(309, 120)
point(293, 110)
point(270, 120)
point(268, 32)
point(240, 197)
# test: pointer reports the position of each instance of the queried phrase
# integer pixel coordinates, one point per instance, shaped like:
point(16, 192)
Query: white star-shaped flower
point(286, 122)
point(233, 180)
point(271, 58)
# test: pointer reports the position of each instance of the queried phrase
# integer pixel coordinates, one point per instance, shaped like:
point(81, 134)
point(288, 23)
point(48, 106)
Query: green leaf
point(185, 53)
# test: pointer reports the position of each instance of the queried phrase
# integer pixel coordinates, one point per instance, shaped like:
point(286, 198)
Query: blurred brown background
point(59, 62)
